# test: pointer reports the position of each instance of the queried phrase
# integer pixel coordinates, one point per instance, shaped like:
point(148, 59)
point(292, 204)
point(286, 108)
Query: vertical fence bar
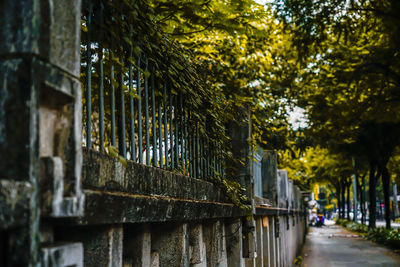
point(185, 140)
point(112, 106)
point(89, 81)
point(201, 174)
point(121, 127)
point(139, 92)
point(160, 143)
point(166, 143)
point(132, 112)
point(146, 103)
point(196, 150)
point(203, 159)
point(190, 146)
point(215, 160)
point(181, 132)
point(171, 136)
point(218, 159)
point(208, 160)
point(176, 131)
point(101, 84)
point(101, 101)
point(153, 119)
point(223, 169)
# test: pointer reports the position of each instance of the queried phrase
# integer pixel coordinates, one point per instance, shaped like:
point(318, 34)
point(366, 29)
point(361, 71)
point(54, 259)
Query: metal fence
point(130, 108)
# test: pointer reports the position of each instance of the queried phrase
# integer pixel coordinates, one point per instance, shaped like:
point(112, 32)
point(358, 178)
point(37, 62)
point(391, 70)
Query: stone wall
point(64, 206)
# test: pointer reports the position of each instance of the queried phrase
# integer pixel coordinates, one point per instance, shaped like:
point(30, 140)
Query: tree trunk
point(372, 197)
point(343, 198)
point(386, 194)
point(338, 192)
point(362, 199)
point(358, 185)
point(348, 200)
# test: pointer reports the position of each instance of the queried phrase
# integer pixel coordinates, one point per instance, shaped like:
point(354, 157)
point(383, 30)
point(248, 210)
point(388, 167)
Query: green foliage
point(298, 260)
point(387, 237)
point(234, 191)
point(113, 152)
point(353, 226)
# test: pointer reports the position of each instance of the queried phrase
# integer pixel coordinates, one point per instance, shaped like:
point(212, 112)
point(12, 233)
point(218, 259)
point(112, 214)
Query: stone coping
point(102, 172)
point(113, 207)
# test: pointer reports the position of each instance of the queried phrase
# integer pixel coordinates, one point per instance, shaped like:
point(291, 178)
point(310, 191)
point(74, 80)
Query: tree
point(350, 82)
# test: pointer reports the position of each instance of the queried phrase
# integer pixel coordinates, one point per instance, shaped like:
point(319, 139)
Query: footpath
point(332, 245)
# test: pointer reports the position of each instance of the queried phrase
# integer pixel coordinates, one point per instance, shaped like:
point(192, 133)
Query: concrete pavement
point(326, 247)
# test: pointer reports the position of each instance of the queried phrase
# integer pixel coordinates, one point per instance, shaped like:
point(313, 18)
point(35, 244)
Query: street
point(332, 245)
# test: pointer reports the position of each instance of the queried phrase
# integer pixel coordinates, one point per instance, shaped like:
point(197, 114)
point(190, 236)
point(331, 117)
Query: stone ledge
point(111, 207)
point(102, 172)
point(262, 210)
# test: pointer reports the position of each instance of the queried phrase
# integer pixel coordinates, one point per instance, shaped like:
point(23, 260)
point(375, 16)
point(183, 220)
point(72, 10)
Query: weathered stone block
point(259, 234)
point(234, 243)
point(171, 242)
point(283, 188)
point(214, 238)
point(48, 28)
point(18, 119)
point(14, 203)
point(103, 245)
point(43, 102)
point(197, 248)
point(63, 255)
point(126, 208)
point(269, 174)
point(137, 245)
point(249, 238)
point(102, 172)
point(291, 195)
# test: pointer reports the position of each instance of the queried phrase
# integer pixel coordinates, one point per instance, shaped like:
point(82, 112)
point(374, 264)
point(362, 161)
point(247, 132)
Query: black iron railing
point(132, 108)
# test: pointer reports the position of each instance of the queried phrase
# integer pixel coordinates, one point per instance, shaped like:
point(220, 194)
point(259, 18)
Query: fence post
point(40, 121)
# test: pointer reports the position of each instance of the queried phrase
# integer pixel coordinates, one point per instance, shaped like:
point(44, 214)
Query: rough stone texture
point(266, 247)
point(14, 203)
point(19, 144)
point(291, 195)
point(102, 245)
point(282, 189)
point(49, 29)
point(107, 207)
point(20, 24)
point(262, 210)
point(249, 239)
point(259, 238)
point(269, 174)
point(102, 172)
point(234, 243)
point(62, 255)
point(197, 249)
point(137, 246)
point(17, 98)
point(23, 80)
point(214, 239)
point(171, 241)
point(272, 241)
point(154, 259)
point(60, 140)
